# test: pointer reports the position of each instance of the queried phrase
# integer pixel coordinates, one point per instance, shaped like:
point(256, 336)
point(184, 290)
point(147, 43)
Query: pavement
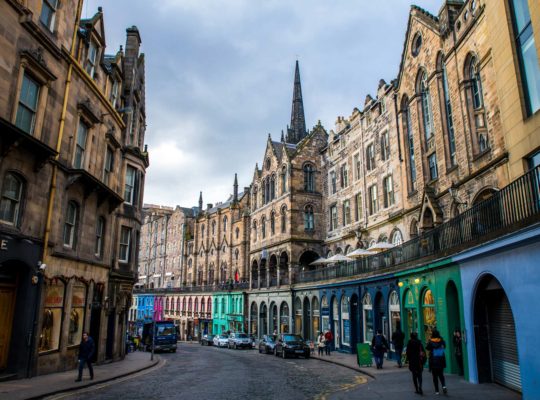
point(50, 384)
point(393, 382)
point(387, 383)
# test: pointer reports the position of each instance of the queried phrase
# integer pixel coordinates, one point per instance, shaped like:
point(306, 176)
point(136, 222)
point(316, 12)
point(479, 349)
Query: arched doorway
point(380, 314)
point(306, 259)
point(394, 314)
point(495, 335)
point(345, 321)
point(253, 317)
point(273, 318)
point(254, 275)
point(273, 270)
point(262, 274)
point(325, 314)
point(453, 323)
point(298, 316)
point(306, 310)
point(284, 268)
point(354, 321)
point(284, 318)
point(263, 317)
point(367, 311)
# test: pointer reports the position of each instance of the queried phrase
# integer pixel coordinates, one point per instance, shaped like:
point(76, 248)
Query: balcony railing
point(512, 208)
point(194, 289)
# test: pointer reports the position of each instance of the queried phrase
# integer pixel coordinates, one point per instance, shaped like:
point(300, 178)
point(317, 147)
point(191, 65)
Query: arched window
point(254, 231)
point(283, 219)
point(272, 223)
point(267, 190)
point(407, 127)
point(263, 227)
point(236, 254)
point(397, 238)
point(225, 224)
point(427, 114)
point(476, 84)
point(309, 178)
point(414, 229)
point(449, 126)
point(213, 227)
point(254, 205)
point(477, 101)
point(309, 219)
point(428, 314)
point(237, 233)
point(202, 305)
point(345, 325)
point(202, 231)
point(272, 187)
point(10, 204)
point(71, 224)
point(283, 177)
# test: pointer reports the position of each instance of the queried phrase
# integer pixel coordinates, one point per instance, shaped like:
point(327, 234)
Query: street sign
point(363, 354)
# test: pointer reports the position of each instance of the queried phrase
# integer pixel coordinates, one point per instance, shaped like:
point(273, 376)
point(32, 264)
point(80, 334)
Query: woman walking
point(416, 357)
point(437, 360)
point(321, 343)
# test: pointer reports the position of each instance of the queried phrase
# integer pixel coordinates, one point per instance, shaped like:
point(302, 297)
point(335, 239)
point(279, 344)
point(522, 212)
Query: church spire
point(200, 202)
point(235, 189)
point(297, 129)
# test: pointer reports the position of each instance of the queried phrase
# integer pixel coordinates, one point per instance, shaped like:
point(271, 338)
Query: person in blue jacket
point(86, 352)
point(437, 359)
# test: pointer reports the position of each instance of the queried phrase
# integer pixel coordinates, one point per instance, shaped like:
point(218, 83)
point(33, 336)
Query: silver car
point(239, 340)
point(221, 340)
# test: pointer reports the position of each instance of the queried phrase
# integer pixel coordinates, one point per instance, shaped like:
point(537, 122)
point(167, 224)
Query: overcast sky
point(219, 77)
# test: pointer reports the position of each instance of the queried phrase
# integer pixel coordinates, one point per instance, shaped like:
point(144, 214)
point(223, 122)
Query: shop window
point(395, 313)
point(11, 201)
point(49, 337)
point(410, 312)
point(345, 321)
point(367, 309)
point(428, 314)
point(76, 316)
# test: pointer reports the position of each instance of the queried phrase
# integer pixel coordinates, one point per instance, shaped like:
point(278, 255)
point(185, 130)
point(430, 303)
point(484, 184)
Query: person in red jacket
point(329, 338)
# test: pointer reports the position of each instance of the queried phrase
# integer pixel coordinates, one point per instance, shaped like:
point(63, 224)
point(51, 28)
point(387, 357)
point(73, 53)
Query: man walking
point(398, 337)
point(379, 346)
point(329, 337)
point(86, 352)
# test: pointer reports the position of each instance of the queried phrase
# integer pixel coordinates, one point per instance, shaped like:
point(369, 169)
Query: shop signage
point(4, 244)
point(54, 298)
point(363, 353)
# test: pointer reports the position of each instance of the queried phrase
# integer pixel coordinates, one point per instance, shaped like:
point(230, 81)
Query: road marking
point(359, 380)
point(98, 386)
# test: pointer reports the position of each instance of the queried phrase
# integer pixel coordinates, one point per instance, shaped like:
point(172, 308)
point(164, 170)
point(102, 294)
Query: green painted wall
point(444, 281)
point(228, 312)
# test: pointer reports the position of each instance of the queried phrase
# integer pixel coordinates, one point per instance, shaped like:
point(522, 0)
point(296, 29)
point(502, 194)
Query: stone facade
point(71, 181)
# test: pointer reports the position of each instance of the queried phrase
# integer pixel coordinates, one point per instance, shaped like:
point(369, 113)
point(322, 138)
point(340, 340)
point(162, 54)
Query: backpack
point(438, 352)
point(379, 344)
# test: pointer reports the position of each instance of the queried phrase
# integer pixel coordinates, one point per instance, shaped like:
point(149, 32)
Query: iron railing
point(194, 289)
point(515, 206)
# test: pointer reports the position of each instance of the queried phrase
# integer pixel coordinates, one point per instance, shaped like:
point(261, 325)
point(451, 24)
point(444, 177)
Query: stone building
point(363, 194)
point(452, 137)
point(71, 182)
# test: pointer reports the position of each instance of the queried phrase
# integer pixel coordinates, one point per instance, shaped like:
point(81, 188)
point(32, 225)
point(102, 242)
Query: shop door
point(7, 305)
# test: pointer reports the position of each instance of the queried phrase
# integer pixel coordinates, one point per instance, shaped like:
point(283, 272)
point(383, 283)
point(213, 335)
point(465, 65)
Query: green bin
point(363, 353)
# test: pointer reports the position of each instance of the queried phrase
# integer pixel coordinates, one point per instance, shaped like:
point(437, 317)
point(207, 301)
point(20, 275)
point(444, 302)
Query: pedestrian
point(437, 360)
point(458, 349)
point(86, 352)
point(328, 336)
point(321, 344)
point(379, 346)
point(398, 337)
point(416, 356)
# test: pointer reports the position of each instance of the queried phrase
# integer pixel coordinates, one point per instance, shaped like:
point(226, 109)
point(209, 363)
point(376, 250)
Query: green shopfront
point(431, 299)
point(228, 312)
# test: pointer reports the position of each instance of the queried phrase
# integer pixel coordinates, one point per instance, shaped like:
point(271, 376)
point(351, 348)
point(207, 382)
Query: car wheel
point(283, 354)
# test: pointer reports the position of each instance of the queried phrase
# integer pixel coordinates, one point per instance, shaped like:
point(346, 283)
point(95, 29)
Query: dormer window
point(91, 58)
point(114, 93)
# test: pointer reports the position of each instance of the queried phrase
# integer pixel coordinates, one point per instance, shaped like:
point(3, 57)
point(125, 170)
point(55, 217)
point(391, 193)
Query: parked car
point(267, 344)
point(288, 344)
point(207, 340)
point(239, 340)
point(221, 340)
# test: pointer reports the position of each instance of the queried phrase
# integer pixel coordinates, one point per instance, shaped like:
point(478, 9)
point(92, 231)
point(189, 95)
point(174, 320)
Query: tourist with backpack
point(437, 360)
point(416, 356)
point(379, 346)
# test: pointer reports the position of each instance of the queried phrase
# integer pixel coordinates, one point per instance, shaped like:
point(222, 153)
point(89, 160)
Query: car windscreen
point(165, 330)
point(292, 338)
point(223, 336)
point(242, 336)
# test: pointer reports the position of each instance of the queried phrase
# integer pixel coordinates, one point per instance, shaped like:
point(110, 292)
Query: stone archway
point(273, 271)
point(306, 259)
